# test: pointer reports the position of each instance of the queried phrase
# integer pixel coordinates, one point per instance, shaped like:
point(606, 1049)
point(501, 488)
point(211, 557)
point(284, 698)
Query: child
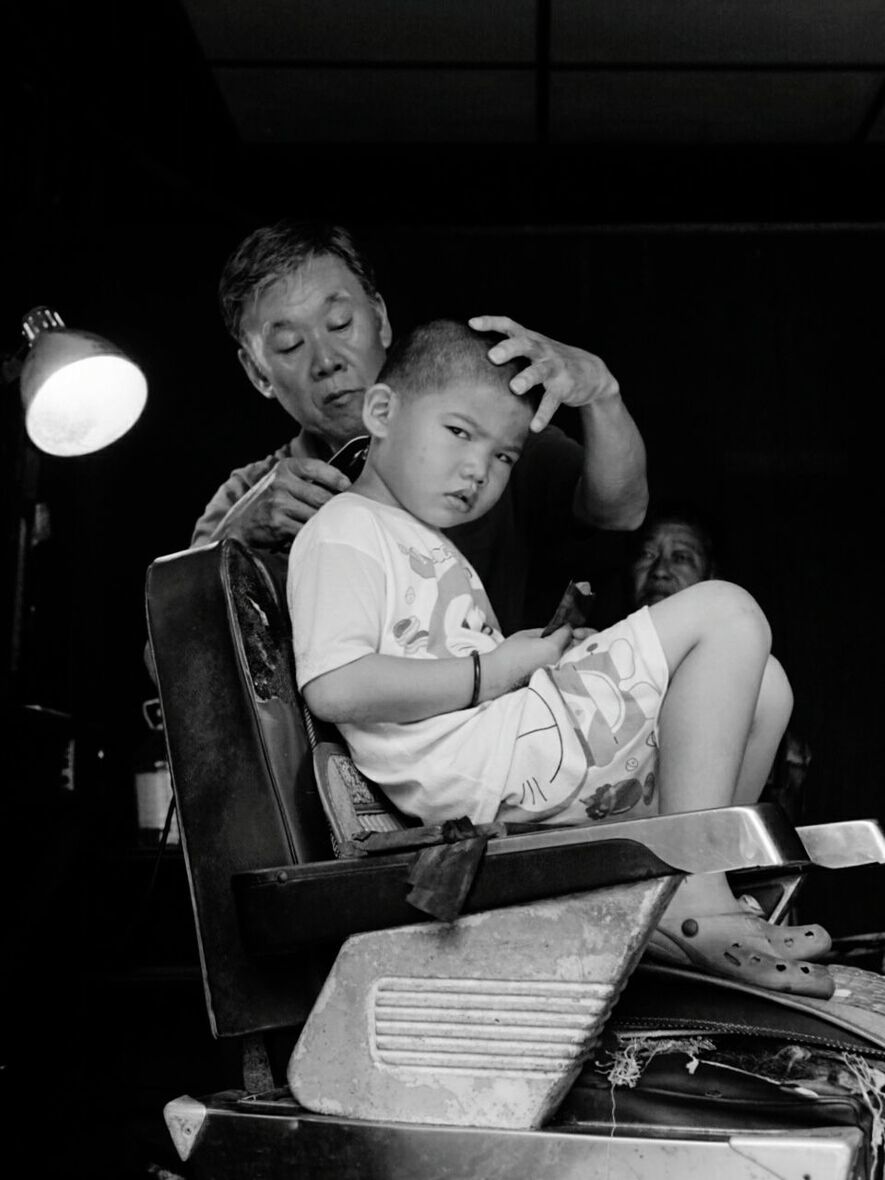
point(397, 644)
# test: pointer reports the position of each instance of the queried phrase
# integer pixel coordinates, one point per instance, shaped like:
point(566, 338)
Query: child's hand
point(579, 634)
point(511, 664)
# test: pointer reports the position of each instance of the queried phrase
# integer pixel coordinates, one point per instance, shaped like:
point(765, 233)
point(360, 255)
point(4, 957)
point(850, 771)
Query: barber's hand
point(280, 504)
point(570, 376)
point(512, 663)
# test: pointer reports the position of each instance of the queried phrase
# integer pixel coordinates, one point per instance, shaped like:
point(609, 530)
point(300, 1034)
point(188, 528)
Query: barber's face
point(316, 342)
point(672, 557)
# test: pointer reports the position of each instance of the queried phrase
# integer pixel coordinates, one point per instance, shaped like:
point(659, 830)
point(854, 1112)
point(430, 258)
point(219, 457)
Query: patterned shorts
point(587, 744)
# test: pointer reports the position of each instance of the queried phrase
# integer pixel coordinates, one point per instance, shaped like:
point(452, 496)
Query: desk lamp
point(80, 392)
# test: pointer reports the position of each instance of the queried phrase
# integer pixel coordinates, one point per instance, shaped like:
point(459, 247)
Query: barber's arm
point(613, 492)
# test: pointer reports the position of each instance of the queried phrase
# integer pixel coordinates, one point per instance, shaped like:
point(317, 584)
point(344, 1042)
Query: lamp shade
point(80, 392)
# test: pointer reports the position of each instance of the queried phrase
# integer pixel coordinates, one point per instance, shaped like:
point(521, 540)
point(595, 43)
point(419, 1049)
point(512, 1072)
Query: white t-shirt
point(366, 577)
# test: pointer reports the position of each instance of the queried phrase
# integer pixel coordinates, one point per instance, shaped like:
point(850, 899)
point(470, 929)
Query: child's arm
point(378, 688)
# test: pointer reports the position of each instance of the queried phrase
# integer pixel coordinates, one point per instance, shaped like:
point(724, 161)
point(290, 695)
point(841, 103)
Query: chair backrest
point(241, 762)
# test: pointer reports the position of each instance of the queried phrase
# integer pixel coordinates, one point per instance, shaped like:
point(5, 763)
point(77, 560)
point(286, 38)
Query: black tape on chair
point(442, 875)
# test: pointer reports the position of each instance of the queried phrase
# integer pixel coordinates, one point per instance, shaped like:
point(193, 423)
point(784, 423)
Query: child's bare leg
point(716, 641)
point(722, 718)
point(773, 709)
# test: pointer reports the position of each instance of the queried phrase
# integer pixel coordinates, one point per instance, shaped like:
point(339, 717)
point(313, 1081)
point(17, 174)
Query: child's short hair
point(437, 353)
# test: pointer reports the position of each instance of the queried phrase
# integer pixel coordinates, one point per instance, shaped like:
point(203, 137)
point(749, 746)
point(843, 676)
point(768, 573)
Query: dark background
point(706, 214)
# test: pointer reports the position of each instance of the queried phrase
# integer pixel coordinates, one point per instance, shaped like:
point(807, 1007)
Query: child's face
point(447, 454)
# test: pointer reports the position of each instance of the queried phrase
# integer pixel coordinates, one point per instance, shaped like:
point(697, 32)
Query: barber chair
point(378, 1041)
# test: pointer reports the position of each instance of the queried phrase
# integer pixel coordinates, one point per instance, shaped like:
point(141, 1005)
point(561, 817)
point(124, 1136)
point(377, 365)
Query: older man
point(673, 550)
point(312, 329)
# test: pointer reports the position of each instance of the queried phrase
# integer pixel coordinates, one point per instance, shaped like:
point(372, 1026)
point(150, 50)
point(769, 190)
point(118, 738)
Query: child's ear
point(379, 406)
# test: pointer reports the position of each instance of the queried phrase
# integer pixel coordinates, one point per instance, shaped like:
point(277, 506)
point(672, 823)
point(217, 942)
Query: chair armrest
point(845, 844)
point(281, 910)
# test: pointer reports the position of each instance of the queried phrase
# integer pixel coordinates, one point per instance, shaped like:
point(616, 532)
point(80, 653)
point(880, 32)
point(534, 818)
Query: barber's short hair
point(274, 251)
point(435, 354)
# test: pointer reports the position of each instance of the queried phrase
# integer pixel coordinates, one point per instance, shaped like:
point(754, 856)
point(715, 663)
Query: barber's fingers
point(547, 407)
point(296, 498)
point(495, 323)
point(539, 372)
point(518, 342)
point(543, 353)
point(278, 515)
point(290, 497)
point(315, 471)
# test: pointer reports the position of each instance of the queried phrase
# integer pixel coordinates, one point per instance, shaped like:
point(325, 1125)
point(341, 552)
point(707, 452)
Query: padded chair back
point(241, 764)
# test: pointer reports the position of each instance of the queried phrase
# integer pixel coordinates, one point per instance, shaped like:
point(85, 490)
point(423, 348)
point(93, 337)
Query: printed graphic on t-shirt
point(460, 606)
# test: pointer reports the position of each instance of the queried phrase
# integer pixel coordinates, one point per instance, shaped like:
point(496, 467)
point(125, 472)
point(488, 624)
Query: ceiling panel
point(368, 30)
point(727, 31)
point(709, 107)
point(667, 71)
point(378, 105)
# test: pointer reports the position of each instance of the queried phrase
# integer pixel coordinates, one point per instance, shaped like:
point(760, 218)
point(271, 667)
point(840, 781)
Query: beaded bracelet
point(477, 680)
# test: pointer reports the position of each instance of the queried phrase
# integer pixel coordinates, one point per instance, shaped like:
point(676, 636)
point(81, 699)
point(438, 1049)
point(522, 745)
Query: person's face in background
point(315, 341)
point(671, 557)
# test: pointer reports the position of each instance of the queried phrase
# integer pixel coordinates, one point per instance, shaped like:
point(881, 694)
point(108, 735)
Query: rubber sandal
point(807, 943)
point(724, 954)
